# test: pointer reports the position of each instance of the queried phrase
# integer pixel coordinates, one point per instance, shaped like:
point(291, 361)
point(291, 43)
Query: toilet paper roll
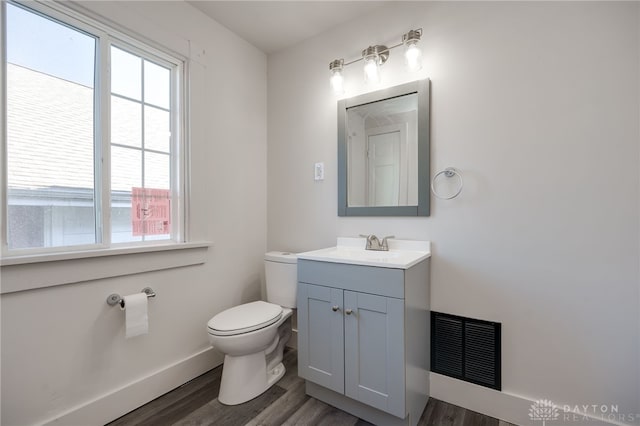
point(136, 318)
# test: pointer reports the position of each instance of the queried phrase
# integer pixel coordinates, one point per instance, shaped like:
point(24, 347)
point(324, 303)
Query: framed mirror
point(383, 152)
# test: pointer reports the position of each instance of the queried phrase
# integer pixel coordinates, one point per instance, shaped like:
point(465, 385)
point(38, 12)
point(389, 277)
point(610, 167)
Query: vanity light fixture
point(412, 53)
point(375, 56)
point(337, 79)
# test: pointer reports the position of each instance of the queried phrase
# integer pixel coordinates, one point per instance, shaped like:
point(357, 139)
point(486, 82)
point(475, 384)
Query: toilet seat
point(244, 318)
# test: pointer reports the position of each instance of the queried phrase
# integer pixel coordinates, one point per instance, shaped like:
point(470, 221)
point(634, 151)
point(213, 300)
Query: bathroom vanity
point(363, 328)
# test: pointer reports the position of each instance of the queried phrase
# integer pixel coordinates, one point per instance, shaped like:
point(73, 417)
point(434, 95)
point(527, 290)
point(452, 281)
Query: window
point(140, 143)
point(93, 135)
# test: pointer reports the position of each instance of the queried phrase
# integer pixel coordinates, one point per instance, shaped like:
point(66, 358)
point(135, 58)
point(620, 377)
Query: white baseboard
point(116, 403)
point(503, 405)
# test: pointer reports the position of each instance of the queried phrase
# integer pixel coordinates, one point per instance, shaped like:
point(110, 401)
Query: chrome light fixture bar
point(377, 55)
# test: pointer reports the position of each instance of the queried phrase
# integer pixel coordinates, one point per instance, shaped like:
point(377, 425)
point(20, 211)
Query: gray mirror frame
point(421, 87)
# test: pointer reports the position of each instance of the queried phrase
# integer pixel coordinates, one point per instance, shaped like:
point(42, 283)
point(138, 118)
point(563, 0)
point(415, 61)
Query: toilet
point(252, 336)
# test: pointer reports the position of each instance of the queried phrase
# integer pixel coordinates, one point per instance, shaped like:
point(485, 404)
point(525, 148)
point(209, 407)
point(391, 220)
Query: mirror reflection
point(382, 153)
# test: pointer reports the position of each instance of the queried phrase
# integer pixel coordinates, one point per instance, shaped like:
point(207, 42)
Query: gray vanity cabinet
point(360, 338)
point(323, 340)
point(374, 351)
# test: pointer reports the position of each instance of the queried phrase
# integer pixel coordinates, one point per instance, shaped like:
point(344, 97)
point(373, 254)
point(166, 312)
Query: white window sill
point(29, 272)
point(70, 255)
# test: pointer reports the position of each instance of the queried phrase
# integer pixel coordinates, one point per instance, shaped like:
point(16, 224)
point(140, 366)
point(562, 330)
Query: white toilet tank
point(281, 276)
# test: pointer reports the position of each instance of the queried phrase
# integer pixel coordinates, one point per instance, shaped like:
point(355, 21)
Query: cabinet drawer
point(367, 279)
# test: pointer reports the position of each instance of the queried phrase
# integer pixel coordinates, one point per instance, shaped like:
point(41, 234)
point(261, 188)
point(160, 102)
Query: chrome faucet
point(373, 243)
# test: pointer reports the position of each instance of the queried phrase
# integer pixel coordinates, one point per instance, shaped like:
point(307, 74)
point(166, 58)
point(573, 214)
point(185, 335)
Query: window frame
point(107, 36)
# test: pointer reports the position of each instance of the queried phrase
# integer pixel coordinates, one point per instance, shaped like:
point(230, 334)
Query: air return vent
point(467, 349)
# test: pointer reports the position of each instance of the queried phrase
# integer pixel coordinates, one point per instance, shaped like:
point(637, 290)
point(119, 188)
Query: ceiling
point(275, 25)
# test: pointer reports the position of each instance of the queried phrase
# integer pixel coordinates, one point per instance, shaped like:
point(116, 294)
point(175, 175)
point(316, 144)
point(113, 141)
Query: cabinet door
point(374, 351)
point(321, 336)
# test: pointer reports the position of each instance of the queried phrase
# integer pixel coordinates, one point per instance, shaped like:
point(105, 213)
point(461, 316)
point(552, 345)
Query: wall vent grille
point(467, 349)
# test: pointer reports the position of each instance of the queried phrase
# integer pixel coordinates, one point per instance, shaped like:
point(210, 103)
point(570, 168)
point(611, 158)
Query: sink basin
point(360, 254)
point(402, 254)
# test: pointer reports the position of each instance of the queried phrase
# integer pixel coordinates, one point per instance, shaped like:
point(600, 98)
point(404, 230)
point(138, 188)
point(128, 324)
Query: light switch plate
point(318, 171)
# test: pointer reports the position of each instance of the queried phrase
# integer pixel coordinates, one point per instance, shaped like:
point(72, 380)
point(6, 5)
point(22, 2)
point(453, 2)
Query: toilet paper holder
point(114, 298)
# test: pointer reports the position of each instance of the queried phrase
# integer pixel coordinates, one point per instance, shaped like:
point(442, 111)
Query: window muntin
point(120, 111)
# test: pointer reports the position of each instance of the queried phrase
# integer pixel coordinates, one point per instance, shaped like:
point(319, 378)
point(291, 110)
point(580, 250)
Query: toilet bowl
point(252, 336)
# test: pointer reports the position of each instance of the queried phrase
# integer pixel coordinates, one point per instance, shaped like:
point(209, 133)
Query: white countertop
point(402, 254)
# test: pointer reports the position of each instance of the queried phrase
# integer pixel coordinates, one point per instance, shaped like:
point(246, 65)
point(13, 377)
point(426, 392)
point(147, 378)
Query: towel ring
point(448, 172)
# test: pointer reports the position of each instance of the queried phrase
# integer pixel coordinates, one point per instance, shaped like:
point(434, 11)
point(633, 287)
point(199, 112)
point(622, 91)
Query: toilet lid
point(244, 318)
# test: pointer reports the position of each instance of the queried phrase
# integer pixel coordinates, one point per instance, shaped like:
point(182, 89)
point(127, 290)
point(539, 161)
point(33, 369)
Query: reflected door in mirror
point(383, 153)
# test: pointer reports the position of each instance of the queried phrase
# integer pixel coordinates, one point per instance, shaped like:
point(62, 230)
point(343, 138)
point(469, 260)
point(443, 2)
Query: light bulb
point(337, 82)
point(371, 71)
point(413, 57)
point(336, 79)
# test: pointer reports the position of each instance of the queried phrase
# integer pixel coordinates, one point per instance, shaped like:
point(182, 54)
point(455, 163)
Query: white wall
point(64, 354)
point(538, 105)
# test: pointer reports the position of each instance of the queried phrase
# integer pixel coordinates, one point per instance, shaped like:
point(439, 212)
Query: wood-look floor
point(285, 403)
